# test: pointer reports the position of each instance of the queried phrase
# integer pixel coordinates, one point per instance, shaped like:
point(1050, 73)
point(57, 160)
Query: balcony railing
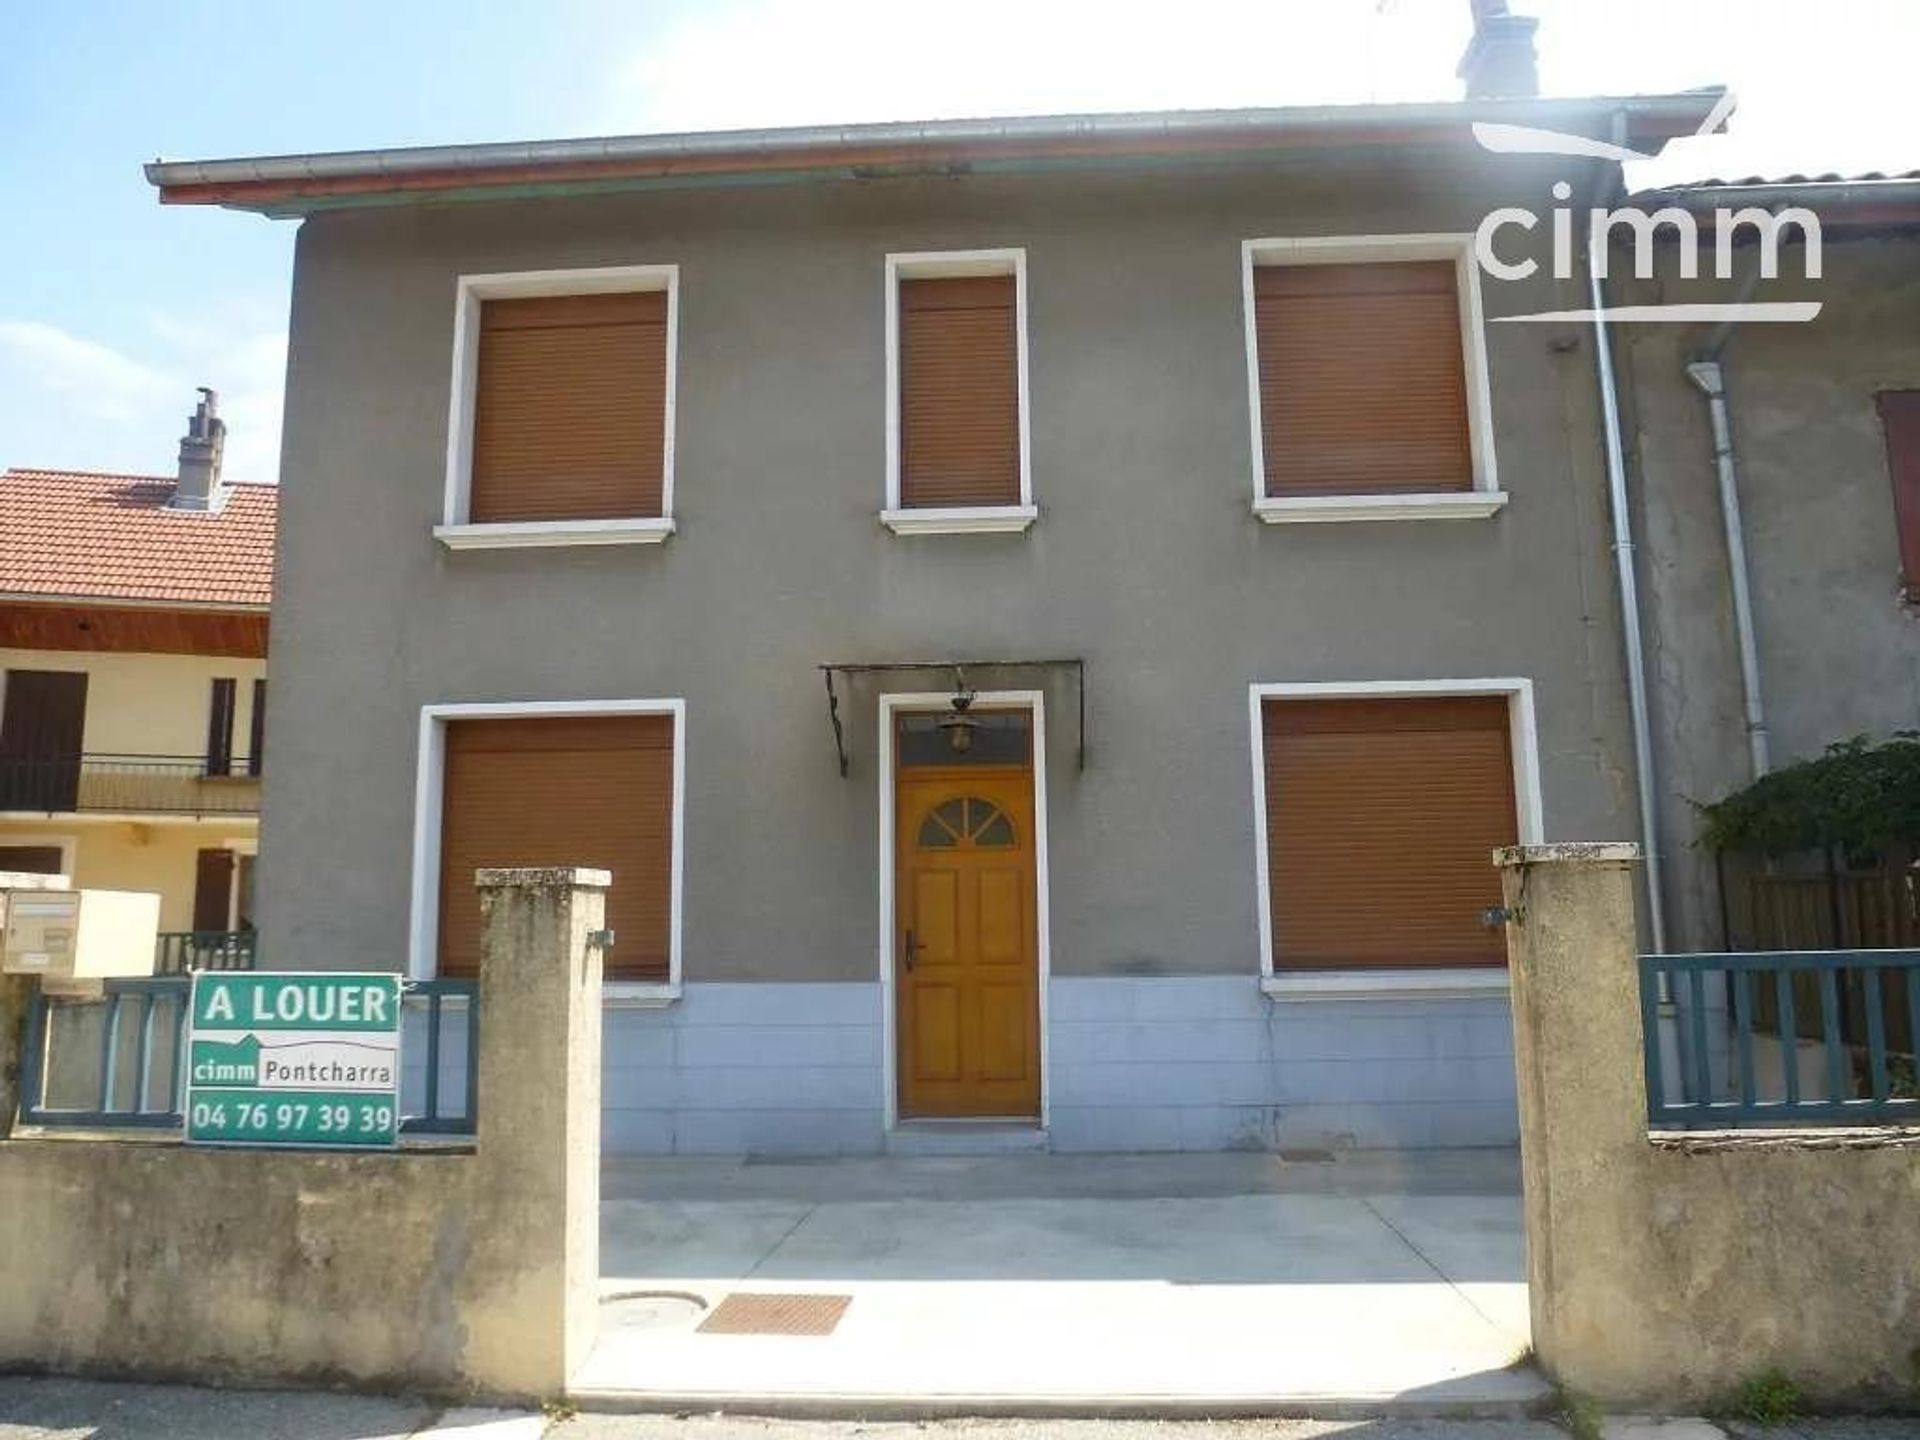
point(125, 784)
point(178, 951)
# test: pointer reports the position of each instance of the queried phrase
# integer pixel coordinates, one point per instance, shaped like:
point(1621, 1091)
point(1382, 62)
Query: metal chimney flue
point(1500, 63)
point(198, 486)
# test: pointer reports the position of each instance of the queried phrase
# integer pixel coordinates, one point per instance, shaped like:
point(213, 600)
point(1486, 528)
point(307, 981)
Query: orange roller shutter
point(587, 791)
point(959, 392)
point(570, 405)
point(1362, 378)
point(1382, 817)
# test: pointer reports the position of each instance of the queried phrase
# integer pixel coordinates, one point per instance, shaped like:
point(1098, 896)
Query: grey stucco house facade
point(1821, 528)
point(1243, 824)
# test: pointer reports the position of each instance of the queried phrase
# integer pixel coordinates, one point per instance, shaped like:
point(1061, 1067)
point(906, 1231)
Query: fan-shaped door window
point(967, 823)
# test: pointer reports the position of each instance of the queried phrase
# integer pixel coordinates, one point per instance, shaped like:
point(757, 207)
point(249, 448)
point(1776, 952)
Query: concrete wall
point(475, 1270)
point(1665, 1270)
point(1839, 650)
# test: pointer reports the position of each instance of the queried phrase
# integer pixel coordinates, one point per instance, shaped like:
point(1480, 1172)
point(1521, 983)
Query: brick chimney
point(1499, 63)
point(198, 487)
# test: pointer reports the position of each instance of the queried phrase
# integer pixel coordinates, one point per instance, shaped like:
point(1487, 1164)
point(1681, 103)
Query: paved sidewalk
point(1154, 1285)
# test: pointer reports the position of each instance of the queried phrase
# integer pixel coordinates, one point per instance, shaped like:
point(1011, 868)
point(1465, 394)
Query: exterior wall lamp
point(959, 722)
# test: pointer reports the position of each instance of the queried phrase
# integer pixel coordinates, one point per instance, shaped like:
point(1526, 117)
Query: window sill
point(507, 535)
point(961, 520)
point(638, 995)
point(1463, 983)
point(1311, 509)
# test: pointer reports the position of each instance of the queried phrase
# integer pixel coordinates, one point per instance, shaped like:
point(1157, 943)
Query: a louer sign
point(294, 1058)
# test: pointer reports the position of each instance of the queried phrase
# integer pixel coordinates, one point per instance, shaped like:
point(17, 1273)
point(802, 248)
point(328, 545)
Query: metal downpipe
point(1629, 607)
point(1711, 380)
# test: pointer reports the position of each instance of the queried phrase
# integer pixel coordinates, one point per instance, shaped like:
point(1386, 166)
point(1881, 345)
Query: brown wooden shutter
point(42, 728)
point(1900, 416)
point(212, 889)
point(594, 791)
point(1382, 816)
point(1362, 378)
point(570, 406)
point(959, 392)
point(220, 708)
point(257, 731)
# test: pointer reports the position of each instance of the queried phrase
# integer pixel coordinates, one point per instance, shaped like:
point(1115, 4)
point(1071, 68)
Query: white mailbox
point(67, 936)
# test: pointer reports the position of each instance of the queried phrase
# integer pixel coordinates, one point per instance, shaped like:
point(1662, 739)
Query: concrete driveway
point(1157, 1284)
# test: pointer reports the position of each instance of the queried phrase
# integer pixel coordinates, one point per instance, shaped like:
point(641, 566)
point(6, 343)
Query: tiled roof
point(1756, 182)
point(111, 537)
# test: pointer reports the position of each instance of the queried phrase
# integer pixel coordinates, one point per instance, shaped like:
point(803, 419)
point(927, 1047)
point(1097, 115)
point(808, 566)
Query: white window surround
point(455, 531)
point(958, 520)
point(423, 928)
point(67, 845)
point(1486, 497)
point(891, 707)
point(1375, 983)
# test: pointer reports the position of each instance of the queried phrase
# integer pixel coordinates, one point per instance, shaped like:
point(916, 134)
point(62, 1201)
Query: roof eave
point(130, 602)
point(1876, 204)
point(289, 183)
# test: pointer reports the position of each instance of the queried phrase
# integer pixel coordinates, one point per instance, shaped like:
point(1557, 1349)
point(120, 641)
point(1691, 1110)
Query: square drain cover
point(776, 1315)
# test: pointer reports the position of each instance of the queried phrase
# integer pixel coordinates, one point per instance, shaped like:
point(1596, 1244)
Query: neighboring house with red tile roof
point(68, 534)
point(133, 639)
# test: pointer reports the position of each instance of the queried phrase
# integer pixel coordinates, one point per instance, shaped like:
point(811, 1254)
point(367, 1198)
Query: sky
point(112, 308)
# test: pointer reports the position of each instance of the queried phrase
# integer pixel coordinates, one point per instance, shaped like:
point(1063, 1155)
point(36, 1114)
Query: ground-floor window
point(576, 790)
point(1381, 815)
point(32, 859)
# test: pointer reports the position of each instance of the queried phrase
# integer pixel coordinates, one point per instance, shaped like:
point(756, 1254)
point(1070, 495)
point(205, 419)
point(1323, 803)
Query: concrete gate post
point(1573, 960)
point(537, 1197)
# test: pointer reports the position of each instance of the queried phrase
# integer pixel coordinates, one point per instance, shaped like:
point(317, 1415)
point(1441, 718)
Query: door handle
point(910, 949)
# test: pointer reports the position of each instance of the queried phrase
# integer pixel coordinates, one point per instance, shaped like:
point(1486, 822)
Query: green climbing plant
point(1859, 800)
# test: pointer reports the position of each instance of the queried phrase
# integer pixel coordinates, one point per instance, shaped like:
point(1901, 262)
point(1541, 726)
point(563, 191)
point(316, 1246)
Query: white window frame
point(1486, 497)
point(892, 706)
point(423, 927)
point(1437, 982)
point(250, 849)
point(455, 531)
point(956, 519)
point(67, 845)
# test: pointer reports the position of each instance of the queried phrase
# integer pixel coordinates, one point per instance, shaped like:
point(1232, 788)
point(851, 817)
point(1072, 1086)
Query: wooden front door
point(965, 952)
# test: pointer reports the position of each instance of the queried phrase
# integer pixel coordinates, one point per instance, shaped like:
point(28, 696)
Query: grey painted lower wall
point(1209, 1063)
point(1175, 1063)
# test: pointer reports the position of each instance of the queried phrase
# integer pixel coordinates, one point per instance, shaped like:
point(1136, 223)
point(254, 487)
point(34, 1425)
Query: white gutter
point(773, 145)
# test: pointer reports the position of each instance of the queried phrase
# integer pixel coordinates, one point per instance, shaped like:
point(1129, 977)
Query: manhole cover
point(776, 1315)
point(650, 1310)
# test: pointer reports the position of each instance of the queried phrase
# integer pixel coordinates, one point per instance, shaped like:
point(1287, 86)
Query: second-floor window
point(1368, 379)
point(957, 431)
point(562, 422)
